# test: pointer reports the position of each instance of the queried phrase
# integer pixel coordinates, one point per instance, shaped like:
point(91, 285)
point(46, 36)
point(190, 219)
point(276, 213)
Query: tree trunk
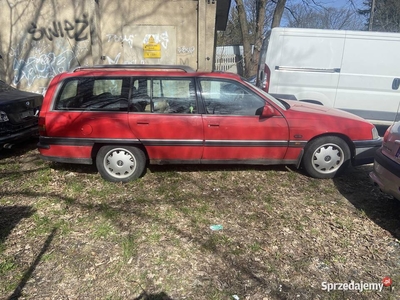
point(260, 19)
point(280, 7)
point(245, 37)
point(250, 57)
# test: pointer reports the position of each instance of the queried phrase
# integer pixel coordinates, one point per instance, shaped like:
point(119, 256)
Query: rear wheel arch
point(97, 147)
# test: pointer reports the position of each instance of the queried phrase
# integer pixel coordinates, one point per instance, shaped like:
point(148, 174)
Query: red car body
point(279, 132)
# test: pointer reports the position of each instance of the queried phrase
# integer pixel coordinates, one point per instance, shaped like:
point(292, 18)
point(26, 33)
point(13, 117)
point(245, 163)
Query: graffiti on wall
point(134, 54)
point(184, 62)
point(186, 50)
point(113, 61)
point(120, 39)
point(161, 38)
point(43, 65)
point(77, 30)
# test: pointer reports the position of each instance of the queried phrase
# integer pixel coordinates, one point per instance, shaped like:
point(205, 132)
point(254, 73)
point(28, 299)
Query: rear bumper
point(386, 175)
point(365, 151)
point(20, 135)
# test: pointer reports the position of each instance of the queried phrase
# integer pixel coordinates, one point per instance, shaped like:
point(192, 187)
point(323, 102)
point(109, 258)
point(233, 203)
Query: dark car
point(19, 111)
point(386, 173)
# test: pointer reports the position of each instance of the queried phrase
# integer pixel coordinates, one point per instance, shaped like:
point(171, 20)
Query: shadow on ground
point(356, 186)
point(160, 296)
point(216, 167)
point(10, 216)
point(19, 149)
point(28, 274)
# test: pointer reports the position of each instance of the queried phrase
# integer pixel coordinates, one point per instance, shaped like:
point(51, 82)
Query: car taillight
point(42, 125)
point(3, 117)
point(386, 135)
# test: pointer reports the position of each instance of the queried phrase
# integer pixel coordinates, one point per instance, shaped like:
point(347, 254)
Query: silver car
point(386, 173)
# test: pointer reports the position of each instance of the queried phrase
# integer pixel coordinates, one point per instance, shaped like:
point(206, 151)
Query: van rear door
point(370, 65)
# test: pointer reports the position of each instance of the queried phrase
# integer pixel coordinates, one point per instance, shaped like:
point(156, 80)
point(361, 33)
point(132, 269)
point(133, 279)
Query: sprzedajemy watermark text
point(357, 286)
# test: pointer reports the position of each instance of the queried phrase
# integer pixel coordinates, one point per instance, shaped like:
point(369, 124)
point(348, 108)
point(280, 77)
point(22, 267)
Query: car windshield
point(282, 104)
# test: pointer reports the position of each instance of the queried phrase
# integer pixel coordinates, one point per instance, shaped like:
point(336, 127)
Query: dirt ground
point(67, 234)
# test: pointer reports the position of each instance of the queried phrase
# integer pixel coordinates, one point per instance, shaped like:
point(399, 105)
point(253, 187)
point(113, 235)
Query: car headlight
point(375, 134)
point(3, 117)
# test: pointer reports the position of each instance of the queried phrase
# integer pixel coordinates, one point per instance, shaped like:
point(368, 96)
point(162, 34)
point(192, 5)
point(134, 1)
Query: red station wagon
point(122, 117)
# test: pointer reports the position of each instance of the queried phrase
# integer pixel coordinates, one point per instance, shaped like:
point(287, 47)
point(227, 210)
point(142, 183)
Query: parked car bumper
point(19, 136)
point(386, 174)
point(365, 151)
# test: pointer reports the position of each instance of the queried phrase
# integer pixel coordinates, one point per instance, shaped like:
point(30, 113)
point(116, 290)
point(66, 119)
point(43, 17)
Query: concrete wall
point(39, 39)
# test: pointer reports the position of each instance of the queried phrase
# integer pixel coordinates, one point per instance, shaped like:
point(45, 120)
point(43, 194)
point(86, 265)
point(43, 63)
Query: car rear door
point(165, 119)
point(234, 131)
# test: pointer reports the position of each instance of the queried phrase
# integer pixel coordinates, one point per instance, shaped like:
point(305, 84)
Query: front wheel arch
point(327, 156)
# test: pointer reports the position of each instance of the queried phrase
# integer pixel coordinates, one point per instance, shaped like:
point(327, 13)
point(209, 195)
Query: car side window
point(163, 95)
point(230, 98)
point(94, 94)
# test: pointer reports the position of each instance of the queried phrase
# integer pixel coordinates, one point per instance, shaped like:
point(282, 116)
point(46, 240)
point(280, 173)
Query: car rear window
point(94, 94)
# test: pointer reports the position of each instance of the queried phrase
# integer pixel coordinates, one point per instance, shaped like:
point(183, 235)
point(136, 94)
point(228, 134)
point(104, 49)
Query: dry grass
point(67, 234)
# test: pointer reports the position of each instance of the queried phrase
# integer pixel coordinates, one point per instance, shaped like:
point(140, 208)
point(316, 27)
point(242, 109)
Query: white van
point(356, 71)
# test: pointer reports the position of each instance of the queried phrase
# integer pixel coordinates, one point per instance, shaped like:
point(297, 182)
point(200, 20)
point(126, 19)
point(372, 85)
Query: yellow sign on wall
point(152, 49)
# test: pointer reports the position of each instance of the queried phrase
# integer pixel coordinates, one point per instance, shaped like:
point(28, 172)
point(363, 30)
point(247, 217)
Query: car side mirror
point(267, 111)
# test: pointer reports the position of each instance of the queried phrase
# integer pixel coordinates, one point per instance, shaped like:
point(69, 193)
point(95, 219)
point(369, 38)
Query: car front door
point(164, 117)
point(235, 131)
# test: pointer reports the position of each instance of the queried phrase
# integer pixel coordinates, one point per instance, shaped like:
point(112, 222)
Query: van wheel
point(120, 163)
point(326, 157)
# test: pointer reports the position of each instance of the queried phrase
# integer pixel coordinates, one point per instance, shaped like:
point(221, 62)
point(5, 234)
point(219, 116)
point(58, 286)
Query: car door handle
point(143, 122)
point(213, 125)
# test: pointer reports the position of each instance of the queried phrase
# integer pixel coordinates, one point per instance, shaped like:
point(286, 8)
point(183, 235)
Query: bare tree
point(232, 34)
point(383, 15)
point(304, 16)
point(250, 54)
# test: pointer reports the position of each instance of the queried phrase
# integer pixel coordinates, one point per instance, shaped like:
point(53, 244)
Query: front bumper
point(386, 175)
point(365, 151)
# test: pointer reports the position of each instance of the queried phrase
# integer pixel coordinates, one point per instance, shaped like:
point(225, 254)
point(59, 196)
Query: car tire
point(120, 163)
point(326, 157)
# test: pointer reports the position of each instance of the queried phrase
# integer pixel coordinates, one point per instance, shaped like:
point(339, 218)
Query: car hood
point(314, 109)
